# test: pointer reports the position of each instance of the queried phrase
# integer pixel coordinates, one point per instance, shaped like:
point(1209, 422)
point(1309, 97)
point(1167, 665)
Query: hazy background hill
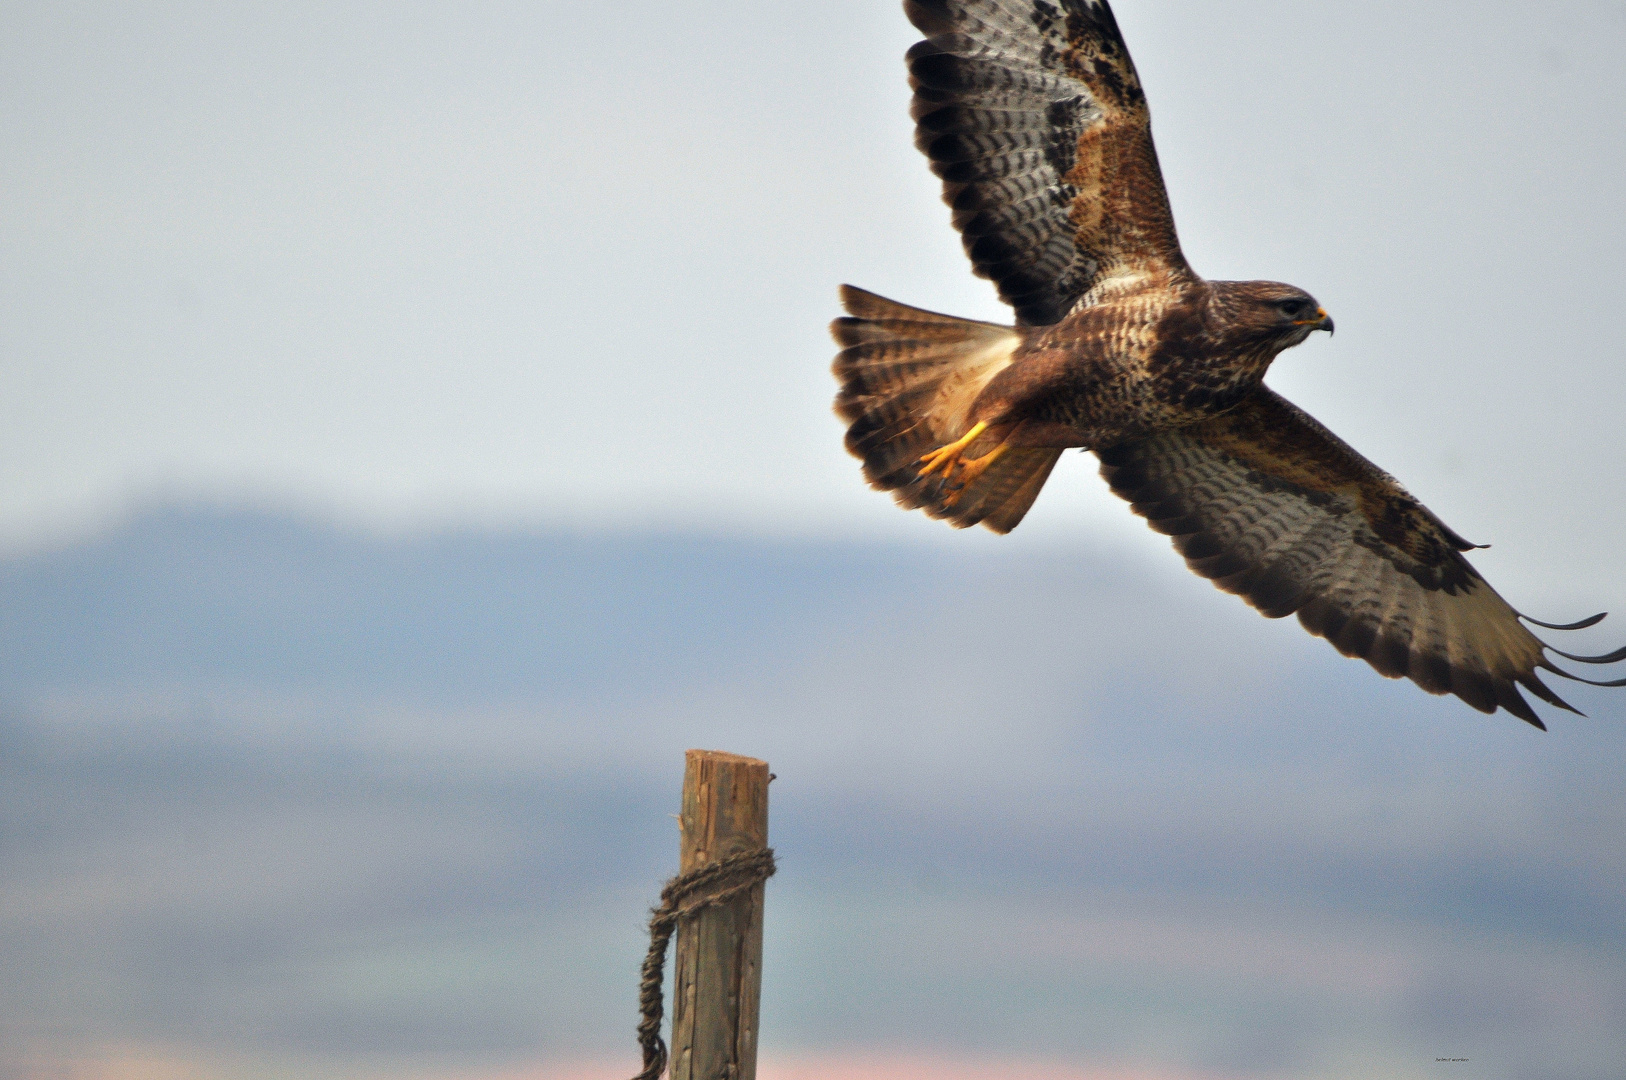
point(280, 793)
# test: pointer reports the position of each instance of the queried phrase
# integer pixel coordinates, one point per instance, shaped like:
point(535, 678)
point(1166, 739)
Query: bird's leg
point(947, 458)
point(970, 470)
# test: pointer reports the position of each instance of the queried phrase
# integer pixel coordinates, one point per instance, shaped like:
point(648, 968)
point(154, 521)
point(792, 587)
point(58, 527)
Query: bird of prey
point(1031, 113)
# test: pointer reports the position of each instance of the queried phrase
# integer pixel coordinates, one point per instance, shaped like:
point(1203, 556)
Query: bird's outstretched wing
point(1275, 508)
point(1031, 112)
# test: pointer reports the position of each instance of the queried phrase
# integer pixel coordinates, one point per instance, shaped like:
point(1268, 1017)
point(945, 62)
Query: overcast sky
point(573, 262)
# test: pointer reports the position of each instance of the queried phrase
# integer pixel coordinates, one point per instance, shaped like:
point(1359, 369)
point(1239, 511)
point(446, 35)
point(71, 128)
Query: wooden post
point(717, 973)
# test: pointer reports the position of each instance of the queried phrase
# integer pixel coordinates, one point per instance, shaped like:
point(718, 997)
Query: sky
point(415, 433)
point(415, 264)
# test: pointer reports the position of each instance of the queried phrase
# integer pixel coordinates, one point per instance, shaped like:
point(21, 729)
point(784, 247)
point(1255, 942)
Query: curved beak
point(1322, 321)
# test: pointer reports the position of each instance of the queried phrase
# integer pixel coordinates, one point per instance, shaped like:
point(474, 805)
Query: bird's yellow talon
point(946, 458)
point(954, 495)
point(970, 470)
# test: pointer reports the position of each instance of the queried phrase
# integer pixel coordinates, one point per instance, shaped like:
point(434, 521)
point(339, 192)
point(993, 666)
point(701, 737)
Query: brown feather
point(1034, 117)
point(908, 380)
point(1279, 510)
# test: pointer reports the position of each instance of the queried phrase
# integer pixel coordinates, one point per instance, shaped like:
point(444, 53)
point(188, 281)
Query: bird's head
point(1272, 314)
point(1264, 317)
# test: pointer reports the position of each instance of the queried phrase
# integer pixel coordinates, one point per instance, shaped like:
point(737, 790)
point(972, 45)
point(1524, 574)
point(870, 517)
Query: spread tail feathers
point(908, 379)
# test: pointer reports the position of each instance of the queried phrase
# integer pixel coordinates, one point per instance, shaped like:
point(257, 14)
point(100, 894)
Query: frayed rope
point(684, 897)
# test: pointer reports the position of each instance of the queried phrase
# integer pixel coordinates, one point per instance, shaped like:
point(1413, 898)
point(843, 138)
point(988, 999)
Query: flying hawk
point(1032, 114)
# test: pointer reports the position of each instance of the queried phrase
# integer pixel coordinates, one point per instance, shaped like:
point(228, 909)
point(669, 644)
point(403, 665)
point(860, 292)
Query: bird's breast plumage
point(1148, 361)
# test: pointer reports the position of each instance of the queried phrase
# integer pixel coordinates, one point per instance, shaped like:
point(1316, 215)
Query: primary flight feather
point(1031, 113)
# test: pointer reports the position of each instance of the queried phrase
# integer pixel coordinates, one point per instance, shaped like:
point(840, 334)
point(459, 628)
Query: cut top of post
point(725, 807)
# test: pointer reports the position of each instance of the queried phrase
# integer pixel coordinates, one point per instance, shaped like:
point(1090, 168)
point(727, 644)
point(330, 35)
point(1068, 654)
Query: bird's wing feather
point(1275, 508)
point(1031, 112)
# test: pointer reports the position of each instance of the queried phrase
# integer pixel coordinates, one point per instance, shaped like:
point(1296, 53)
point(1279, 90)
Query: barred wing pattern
point(1033, 115)
point(1275, 508)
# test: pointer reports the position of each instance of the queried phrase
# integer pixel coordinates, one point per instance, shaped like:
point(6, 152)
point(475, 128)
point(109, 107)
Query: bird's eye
point(1292, 308)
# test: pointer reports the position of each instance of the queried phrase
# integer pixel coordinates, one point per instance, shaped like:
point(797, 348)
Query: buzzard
point(1032, 114)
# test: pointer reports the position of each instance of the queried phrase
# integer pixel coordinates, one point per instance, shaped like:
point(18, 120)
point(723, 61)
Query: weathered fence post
point(717, 970)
